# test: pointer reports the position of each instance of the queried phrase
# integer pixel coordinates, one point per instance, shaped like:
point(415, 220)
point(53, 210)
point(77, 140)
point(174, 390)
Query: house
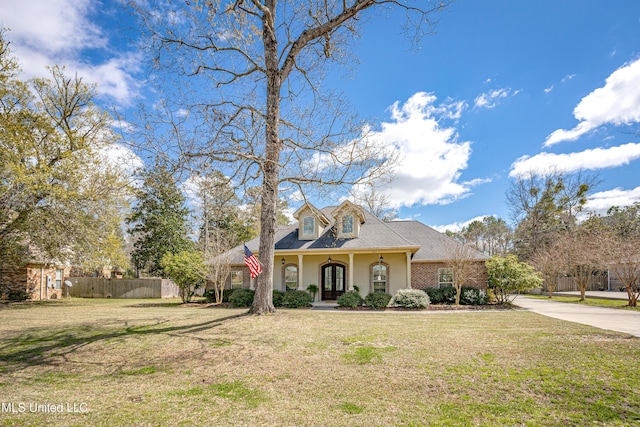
point(40, 280)
point(337, 248)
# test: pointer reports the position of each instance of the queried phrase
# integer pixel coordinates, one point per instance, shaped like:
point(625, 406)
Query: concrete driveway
point(604, 318)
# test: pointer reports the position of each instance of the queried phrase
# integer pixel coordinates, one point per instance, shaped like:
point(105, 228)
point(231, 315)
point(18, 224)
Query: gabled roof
point(434, 246)
point(426, 243)
point(317, 212)
point(347, 205)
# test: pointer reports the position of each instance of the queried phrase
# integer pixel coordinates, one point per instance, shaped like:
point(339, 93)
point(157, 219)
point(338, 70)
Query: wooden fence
point(596, 283)
point(91, 287)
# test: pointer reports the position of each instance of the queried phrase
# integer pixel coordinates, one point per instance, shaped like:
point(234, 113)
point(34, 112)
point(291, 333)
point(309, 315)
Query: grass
point(142, 363)
point(595, 302)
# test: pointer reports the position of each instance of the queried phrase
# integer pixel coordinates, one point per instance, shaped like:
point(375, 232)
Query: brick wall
point(425, 275)
point(32, 278)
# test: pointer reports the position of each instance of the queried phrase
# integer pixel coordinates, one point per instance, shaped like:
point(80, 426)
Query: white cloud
point(592, 159)
point(548, 89)
point(616, 103)
point(567, 78)
point(457, 226)
point(490, 99)
point(602, 201)
point(432, 158)
point(58, 32)
point(123, 157)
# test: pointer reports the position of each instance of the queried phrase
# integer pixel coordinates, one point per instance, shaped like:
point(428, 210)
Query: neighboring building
point(40, 280)
point(339, 247)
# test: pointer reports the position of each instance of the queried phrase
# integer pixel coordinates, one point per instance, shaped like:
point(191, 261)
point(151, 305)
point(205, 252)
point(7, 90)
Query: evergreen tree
point(159, 220)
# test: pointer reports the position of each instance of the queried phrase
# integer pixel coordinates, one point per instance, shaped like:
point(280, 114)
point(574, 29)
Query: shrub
point(351, 299)
point(226, 294)
point(446, 295)
point(473, 296)
point(296, 299)
point(436, 295)
point(377, 300)
point(277, 297)
point(210, 295)
point(242, 297)
point(410, 298)
point(18, 295)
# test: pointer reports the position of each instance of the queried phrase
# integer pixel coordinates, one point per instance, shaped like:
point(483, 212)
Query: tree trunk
point(263, 300)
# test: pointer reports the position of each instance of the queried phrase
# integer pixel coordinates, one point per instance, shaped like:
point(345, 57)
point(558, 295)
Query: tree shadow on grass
point(36, 347)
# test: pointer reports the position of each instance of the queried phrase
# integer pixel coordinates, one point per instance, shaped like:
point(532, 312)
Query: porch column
point(350, 286)
point(300, 273)
point(408, 269)
point(251, 283)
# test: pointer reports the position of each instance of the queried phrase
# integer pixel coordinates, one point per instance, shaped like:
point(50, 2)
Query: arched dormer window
point(347, 224)
point(308, 226)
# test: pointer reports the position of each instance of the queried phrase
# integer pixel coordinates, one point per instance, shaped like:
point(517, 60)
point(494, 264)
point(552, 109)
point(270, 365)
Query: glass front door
point(332, 281)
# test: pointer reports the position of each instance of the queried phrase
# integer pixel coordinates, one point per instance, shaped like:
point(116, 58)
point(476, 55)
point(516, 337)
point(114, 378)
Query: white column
point(409, 270)
point(350, 286)
point(300, 273)
point(251, 286)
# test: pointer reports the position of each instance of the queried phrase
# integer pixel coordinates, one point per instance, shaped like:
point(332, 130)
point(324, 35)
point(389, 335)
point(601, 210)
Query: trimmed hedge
point(377, 300)
point(242, 297)
point(277, 297)
point(351, 299)
point(296, 299)
point(446, 295)
point(410, 298)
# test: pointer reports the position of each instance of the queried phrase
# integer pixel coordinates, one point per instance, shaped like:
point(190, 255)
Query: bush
point(210, 295)
point(226, 294)
point(18, 295)
point(277, 297)
point(296, 299)
point(436, 295)
point(473, 296)
point(446, 295)
point(242, 297)
point(351, 299)
point(410, 298)
point(377, 300)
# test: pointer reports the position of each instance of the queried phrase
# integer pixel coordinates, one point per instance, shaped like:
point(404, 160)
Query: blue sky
point(502, 88)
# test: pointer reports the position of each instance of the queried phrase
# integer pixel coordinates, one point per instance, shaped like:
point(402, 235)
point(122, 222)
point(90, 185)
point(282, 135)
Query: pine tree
point(159, 220)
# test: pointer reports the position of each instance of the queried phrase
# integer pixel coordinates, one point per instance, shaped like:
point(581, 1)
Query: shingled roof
point(424, 242)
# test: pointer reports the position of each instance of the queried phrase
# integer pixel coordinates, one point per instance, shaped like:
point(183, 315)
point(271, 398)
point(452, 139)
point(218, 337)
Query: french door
point(332, 281)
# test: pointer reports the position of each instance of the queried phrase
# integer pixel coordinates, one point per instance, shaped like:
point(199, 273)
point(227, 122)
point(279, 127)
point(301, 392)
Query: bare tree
point(217, 266)
point(246, 78)
point(466, 264)
point(374, 201)
point(582, 255)
point(550, 262)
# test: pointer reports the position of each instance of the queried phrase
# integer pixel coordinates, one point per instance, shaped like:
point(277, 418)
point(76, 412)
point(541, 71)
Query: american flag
point(252, 262)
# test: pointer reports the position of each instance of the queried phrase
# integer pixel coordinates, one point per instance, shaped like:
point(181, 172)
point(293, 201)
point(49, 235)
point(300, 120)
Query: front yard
point(143, 362)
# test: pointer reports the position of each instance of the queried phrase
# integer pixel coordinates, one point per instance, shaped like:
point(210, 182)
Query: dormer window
point(347, 224)
point(308, 226)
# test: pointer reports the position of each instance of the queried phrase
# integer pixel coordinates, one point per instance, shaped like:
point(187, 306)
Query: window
point(347, 224)
point(379, 272)
point(290, 278)
point(308, 226)
point(59, 275)
point(236, 280)
point(445, 277)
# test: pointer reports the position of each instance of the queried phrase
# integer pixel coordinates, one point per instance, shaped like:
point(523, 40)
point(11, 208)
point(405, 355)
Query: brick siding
point(425, 275)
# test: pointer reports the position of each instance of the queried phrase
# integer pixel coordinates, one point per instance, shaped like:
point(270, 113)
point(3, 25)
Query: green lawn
point(153, 363)
point(595, 302)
